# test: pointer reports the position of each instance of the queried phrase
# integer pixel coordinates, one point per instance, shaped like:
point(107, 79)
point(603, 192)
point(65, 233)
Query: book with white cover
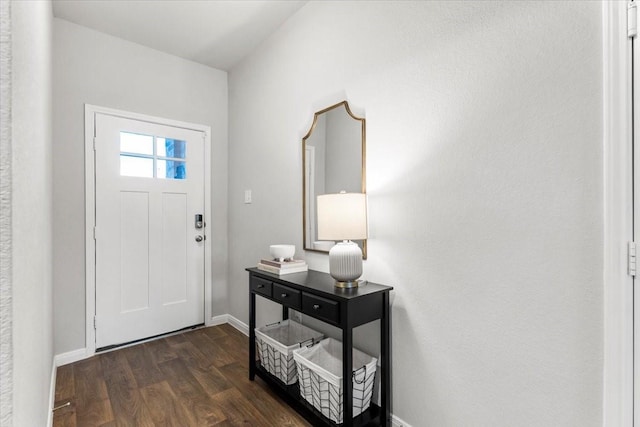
point(294, 263)
point(281, 271)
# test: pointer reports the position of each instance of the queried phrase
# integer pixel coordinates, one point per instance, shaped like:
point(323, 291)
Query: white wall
point(485, 187)
point(31, 211)
point(94, 68)
point(6, 253)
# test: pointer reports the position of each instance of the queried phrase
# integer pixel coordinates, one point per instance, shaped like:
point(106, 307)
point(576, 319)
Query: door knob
point(198, 238)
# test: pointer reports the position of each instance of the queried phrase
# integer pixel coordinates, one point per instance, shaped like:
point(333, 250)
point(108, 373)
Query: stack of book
point(282, 267)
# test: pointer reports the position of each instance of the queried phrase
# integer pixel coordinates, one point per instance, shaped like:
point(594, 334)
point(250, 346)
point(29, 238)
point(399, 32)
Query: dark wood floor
point(196, 378)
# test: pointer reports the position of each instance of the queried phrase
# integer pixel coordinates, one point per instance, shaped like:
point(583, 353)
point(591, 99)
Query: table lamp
point(343, 216)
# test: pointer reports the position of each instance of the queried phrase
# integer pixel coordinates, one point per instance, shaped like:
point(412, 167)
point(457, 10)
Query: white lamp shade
point(342, 216)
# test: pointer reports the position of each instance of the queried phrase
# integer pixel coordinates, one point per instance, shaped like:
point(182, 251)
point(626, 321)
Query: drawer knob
point(283, 295)
point(260, 286)
point(316, 306)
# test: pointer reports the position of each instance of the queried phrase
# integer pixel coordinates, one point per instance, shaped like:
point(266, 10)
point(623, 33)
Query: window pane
point(171, 169)
point(171, 148)
point(136, 143)
point(136, 166)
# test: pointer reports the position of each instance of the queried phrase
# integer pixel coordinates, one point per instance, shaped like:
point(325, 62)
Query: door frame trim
point(617, 375)
point(90, 112)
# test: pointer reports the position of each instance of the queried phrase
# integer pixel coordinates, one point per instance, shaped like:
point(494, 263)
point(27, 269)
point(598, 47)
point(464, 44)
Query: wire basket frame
point(320, 388)
point(276, 343)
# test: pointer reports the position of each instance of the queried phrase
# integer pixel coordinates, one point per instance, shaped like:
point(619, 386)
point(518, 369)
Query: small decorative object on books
point(283, 267)
point(282, 261)
point(282, 252)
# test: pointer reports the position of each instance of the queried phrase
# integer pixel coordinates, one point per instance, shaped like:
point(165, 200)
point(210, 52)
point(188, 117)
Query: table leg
point(385, 363)
point(252, 336)
point(347, 372)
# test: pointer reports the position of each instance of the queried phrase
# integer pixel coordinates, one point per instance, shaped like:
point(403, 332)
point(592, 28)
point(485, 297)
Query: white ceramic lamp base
point(345, 264)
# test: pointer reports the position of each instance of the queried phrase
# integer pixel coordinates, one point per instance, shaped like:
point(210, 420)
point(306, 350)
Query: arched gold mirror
point(333, 159)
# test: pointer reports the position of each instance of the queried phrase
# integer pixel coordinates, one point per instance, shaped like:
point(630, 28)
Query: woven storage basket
point(320, 376)
point(276, 344)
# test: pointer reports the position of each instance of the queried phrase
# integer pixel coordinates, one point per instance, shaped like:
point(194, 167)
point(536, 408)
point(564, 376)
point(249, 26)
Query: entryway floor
point(195, 378)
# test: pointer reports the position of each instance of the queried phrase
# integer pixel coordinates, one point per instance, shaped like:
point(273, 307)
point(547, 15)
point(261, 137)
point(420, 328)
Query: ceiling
point(217, 33)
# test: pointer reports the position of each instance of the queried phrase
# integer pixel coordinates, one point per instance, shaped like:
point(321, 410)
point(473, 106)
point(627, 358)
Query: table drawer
point(287, 296)
point(321, 308)
point(261, 286)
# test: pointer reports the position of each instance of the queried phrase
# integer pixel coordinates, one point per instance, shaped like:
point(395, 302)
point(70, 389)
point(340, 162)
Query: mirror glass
point(333, 155)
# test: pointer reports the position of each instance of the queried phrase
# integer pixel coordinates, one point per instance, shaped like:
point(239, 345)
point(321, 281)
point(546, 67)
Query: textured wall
point(94, 68)
point(484, 177)
point(6, 313)
point(31, 211)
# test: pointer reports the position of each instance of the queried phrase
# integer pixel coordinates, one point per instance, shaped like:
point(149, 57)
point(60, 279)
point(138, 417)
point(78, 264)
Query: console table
point(314, 294)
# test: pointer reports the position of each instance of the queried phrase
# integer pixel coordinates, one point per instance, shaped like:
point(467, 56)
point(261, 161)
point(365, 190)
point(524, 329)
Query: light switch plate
point(247, 196)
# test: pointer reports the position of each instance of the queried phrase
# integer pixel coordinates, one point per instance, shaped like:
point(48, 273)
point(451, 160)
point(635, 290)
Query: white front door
point(149, 186)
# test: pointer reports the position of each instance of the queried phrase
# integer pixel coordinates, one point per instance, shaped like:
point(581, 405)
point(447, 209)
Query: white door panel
point(149, 266)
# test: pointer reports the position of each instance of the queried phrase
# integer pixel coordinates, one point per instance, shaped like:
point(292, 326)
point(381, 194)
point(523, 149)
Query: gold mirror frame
point(305, 208)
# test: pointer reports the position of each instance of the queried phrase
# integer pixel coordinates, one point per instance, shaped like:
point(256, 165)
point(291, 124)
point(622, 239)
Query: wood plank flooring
point(196, 378)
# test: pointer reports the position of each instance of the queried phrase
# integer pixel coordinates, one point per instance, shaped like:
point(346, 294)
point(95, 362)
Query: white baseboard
point(70, 357)
point(397, 422)
point(52, 392)
point(238, 324)
point(218, 320)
